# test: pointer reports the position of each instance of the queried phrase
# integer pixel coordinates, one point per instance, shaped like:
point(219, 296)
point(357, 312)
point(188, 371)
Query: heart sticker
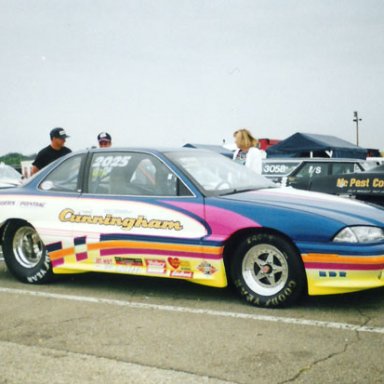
point(174, 262)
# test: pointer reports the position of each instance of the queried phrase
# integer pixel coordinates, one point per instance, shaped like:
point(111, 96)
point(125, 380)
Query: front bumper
point(333, 274)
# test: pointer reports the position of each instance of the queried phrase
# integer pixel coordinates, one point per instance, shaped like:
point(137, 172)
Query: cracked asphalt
point(97, 328)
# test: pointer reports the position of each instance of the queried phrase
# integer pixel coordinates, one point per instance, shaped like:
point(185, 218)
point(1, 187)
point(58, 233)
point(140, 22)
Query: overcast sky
point(167, 72)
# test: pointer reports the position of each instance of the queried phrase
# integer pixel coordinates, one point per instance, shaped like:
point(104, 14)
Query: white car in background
point(9, 177)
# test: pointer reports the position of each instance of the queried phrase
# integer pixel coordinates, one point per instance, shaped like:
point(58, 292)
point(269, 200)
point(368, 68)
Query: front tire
point(25, 254)
point(267, 271)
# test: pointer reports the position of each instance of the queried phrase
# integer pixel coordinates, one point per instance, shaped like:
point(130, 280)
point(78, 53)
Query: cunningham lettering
point(69, 216)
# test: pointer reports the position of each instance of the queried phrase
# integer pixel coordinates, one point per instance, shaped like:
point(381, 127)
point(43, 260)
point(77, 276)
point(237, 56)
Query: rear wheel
point(267, 271)
point(25, 254)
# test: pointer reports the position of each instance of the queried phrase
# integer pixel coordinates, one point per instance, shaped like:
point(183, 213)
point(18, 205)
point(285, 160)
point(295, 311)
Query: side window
point(132, 173)
point(342, 168)
point(310, 170)
point(104, 169)
point(64, 178)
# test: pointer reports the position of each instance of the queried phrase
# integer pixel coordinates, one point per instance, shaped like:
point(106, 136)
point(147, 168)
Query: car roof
point(146, 149)
point(315, 159)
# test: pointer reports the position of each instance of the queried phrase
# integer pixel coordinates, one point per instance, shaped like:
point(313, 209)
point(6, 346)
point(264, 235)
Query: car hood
point(343, 210)
point(9, 183)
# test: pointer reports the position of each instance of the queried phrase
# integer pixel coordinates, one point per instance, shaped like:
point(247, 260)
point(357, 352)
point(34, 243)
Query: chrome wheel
point(27, 247)
point(265, 269)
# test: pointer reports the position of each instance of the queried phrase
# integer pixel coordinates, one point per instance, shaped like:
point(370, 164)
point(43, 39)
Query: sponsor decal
point(341, 183)
point(7, 203)
point(156, 266)
point(111, 161)
point(120, 264)
point(36, 204)
point(174, 262)
point(355, 182)
point(184, 274)
point(206, 268)
point(378, 183)
point(69, 216)
point(131, 261)
point(103, 260)
point(181, 265)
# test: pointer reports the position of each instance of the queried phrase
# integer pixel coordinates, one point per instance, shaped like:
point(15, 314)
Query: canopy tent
point(314, 145)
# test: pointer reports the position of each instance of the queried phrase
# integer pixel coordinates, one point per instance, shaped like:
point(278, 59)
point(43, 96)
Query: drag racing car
point(299, 172)
point(313, 168)
point(366, 186)
point(193, 215)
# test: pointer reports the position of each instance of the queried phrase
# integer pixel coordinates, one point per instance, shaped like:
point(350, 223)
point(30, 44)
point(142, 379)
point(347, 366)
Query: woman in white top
point(247, 153)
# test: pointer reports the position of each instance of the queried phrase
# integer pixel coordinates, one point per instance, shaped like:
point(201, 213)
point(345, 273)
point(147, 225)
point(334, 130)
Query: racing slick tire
point(25, 254)
point(267, 271)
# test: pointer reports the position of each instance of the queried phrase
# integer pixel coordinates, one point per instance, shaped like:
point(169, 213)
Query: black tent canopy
point(308, 144)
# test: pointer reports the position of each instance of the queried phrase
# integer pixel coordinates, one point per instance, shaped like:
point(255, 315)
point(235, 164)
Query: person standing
point(104, 139)
point(247, 152)
point(53, 151)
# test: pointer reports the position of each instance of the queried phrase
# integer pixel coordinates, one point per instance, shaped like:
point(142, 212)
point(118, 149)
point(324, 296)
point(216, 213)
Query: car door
point(59, 189)
point(134, 217)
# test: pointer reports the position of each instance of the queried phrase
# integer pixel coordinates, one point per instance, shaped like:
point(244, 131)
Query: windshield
point(217, 175)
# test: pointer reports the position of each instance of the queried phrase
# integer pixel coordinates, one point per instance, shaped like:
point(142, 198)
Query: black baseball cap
point(104, 136)
point(58, 133)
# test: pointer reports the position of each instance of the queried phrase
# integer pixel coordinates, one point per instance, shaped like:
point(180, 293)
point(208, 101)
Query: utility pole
point(356, 120)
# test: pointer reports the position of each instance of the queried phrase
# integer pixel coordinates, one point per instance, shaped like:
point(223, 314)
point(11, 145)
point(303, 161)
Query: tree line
point(14, 159)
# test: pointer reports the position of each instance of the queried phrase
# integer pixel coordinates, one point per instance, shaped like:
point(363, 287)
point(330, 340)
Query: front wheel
point(25, 254)
point(267, 271)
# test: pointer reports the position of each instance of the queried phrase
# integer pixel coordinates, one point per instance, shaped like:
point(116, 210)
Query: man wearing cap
point(51, 153)
point(104, 139)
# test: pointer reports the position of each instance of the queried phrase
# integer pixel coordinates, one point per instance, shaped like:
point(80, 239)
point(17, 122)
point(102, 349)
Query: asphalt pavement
point(98, 328)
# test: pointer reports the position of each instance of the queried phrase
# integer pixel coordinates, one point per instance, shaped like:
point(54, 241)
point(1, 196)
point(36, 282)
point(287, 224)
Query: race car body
point(192, 215)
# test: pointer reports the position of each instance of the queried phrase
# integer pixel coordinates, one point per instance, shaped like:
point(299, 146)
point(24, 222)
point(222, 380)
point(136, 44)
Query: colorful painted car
point(193, 215)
